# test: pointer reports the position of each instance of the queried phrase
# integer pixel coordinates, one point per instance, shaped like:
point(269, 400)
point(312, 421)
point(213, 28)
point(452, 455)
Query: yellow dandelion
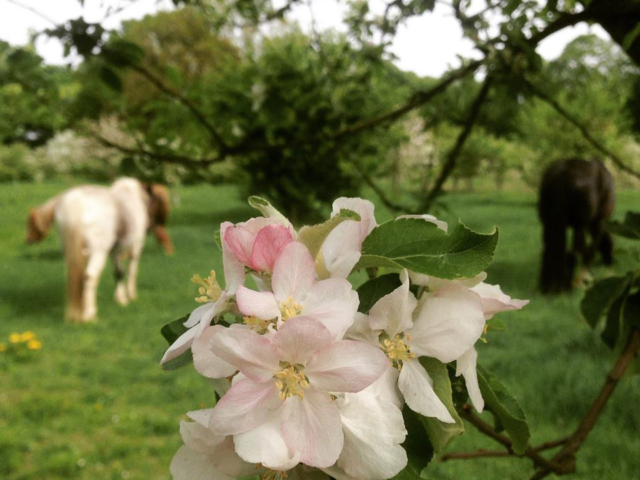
point(28, 335)
point(34, 344)
point(15, 338)
point(3, 347)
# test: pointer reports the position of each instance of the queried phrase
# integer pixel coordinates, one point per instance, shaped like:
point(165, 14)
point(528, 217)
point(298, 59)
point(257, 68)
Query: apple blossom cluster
point(309, 386)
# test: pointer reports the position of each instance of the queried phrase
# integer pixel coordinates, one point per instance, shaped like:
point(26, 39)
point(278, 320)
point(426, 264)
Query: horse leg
point(580, 250)
point(602, 242)
point(554, 257)
point(92, 273)
point(121, 289)
point(132, 274)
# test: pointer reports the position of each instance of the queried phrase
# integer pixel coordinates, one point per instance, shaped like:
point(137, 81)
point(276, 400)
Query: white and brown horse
point(95, 222)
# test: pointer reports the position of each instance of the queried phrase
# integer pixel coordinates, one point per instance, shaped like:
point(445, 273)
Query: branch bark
point(566, 456)
point(454, 153)
point(583, 130)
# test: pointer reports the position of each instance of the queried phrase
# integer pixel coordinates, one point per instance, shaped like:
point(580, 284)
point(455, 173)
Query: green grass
point(94, 404)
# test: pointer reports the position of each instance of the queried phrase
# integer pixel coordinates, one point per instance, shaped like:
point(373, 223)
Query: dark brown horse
point(580, 195)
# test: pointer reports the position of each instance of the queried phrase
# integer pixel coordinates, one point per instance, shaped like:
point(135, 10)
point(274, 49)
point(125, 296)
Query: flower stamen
point(291, 381)
point(209, 290)
point(289, 309)
point(258, 325)
point(273, 475)
point(397, 349)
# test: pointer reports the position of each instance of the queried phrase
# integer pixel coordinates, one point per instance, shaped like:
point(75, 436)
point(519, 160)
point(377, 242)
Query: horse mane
point(40, 220)
point(158, 208)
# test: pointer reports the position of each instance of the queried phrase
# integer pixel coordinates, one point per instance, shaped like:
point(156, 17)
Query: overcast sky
point(426, 45)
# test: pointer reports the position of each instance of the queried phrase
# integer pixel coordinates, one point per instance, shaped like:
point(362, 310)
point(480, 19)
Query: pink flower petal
point(249, 352)
point(334, 303)
point(312, 428)
point(205, 361)
point(299, 337)
point(233, 268)
point(260, 304)
point(240, 240)
point(269, 243)
point(364, 208)
point(244, 407)
point(346, 366)
point(393, 312)
point(294, 273)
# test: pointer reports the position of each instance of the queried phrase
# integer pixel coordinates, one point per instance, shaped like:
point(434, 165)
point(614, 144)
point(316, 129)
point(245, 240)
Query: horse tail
point(74, 256)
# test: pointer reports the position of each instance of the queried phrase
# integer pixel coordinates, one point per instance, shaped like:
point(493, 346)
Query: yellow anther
point(291, 381)
point(484, 332)
point(273, 475)
point(258, 325)
point(289, 308)
point(397, 349)
point(209, 290)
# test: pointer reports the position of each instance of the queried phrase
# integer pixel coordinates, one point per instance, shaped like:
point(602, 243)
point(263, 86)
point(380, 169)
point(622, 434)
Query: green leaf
point(613, 326)
point(441, 433)
point(632, 311)
point(409, 473)
point(267, 209)
point(599, 298)
point(373, 290)
point(218, 239)
point(171, 332)
point(630, 37)
point(111, 78)
point(417, 444)
point(506, 409)
point(423, 248)
point(314, 236)
point(630, 228)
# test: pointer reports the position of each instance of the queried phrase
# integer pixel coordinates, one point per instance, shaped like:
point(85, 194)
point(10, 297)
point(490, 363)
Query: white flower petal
point(181, 345)
point(392, 313)
point(244, 407)
point(187, 464)
point(262, 305)
point(334, 303)
point(265, 445)
point(249, 352)
point(312, 428)
point(495, 301)
point(298, 338)
point(361, 330)
point(346, 366)
point(447, 324)
point(373, 431)
point(466, 366)
point(386, 387)
point(417, 388)
point(294, 273)
point(205, 361)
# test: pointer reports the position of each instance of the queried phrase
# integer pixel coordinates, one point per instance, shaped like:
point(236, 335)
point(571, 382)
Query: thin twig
point(472, 455)
point(34, 11)
point(488, 430)
point(454, 153)
point(566, 456)
point(493, 453)
point(583, 130)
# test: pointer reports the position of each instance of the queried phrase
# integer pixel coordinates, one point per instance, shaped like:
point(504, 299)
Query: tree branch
point(480, 453)
point(583, 130)
point(195, 111)
point(417, 99)
point(566, 456)
point(454, 153)
point(162, 157)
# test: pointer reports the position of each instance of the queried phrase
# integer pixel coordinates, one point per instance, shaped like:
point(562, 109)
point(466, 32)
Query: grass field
point(94, 404)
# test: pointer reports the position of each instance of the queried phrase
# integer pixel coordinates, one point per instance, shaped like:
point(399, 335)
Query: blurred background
point(451, 107)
